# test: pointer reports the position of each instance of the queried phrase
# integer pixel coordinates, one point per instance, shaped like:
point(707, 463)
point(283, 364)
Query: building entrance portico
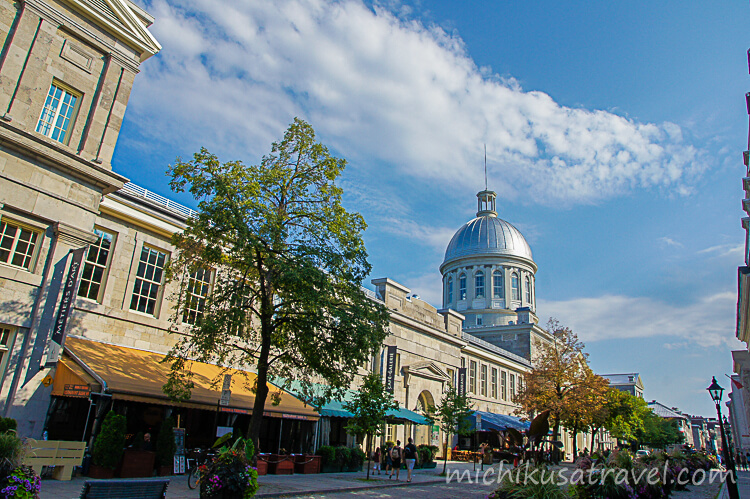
point(423, 433)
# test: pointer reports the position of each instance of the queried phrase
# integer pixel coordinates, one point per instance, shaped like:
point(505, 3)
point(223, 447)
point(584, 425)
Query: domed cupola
point(488, 268)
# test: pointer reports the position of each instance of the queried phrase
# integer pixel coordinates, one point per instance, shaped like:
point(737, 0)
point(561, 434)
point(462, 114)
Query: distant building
point(627, 382)
point(704, 433)
point(674, 414)
point(738, 416)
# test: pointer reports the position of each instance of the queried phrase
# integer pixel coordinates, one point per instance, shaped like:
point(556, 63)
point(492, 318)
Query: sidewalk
point(281, 485)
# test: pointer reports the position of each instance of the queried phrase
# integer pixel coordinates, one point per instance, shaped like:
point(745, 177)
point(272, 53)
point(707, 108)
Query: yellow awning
point(139, 375)
point(71, 380)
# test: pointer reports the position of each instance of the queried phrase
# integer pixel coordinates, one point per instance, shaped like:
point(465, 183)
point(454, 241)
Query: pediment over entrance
point(426, 369)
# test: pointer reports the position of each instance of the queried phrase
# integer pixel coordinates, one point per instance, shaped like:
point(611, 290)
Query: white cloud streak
point(390, 92)
point(707, 323)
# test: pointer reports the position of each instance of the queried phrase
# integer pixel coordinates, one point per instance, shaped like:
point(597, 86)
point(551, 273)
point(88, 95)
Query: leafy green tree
point(659, 432)
point(583, 403)
point(288, 260)
point(110, 441)
point(369, 407)
point(624, 414)
point(453, 416)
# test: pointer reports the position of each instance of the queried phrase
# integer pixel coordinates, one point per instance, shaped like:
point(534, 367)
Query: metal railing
point(160, 200)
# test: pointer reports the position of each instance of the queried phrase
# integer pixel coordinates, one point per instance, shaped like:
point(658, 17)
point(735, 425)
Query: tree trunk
point(594, 431)
point(261, 392)
point(369, 454)
point(445, 457)
point(574, 433)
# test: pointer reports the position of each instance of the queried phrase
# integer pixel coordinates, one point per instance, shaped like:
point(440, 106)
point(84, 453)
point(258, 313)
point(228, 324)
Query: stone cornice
point(440, 334)
point(58, 157)
point(73, 235)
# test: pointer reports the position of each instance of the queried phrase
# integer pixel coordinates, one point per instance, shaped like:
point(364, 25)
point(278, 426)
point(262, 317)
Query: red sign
point(76, 391)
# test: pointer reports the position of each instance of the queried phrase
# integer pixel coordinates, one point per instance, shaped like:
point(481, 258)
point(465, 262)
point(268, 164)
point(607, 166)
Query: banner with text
point(68, 295)
point(462, 381)
point(390, 369)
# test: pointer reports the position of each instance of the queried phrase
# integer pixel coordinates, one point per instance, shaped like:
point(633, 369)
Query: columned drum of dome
point(493, 258)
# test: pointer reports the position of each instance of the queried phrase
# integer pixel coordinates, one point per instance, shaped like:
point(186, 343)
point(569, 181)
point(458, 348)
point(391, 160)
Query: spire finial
point(485, 167)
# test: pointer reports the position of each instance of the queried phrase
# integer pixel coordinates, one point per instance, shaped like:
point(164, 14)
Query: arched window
point(528, 290)
point(462, 287)
point(449, 291)
point(497, 284)
point(515, 292)
point(479, 284)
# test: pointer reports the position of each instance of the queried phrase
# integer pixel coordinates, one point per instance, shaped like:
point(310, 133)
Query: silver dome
point(487, 235)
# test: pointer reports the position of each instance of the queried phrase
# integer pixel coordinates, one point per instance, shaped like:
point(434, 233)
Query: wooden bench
point(151, 488)
point(61, 454)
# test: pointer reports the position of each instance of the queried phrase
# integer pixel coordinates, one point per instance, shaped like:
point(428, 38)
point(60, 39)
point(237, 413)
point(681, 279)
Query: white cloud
point(385, 89)
point(734, 251)
point(708, 322)
point(668, 241)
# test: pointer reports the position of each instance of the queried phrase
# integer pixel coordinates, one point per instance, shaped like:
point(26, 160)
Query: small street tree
point(453, 416)
point(369, 407)
point(554, 377)
point(625, 414)
point(583, 403)
point(285, 263)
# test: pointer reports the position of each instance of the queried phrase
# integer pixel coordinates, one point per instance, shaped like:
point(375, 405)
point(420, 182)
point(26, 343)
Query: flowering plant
point(230, 474)
point(21, 483)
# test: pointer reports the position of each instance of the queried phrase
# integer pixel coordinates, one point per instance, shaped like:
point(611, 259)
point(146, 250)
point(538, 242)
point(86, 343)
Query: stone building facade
point(66, 71)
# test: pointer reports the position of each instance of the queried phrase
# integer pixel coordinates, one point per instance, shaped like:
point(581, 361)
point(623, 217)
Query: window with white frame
point(196, 293)
point(493, 383)
point(512, 387)
point(148, 280)
point(462, 287)
point(473, 376)
point(514, 287)
point(17, 244)
point(504, 385)
point(7, 336)
point(449, 290)
point(479, 284)
point(528, 290)
point(58, 112)
point(497, 284)
point(95, 267)
point(483, 380)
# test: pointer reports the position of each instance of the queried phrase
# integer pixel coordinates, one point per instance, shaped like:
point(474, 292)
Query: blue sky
point(614, 133)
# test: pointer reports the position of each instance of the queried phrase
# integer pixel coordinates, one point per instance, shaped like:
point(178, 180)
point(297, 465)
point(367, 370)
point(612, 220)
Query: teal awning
point(335, 408)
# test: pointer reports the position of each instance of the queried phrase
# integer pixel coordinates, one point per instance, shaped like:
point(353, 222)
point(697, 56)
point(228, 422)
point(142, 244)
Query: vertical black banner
point(462, 381)
point(390, 369)
point(68, 295)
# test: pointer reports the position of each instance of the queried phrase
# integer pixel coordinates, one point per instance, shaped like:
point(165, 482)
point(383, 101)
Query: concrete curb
point(348, 489)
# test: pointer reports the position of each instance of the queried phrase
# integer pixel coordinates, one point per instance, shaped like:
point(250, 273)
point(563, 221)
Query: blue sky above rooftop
point(614, 134)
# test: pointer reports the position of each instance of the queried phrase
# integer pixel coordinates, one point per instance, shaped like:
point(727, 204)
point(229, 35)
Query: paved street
point(415, 491)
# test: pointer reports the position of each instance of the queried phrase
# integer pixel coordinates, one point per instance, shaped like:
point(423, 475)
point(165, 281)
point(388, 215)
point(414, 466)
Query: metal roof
point(487, 235)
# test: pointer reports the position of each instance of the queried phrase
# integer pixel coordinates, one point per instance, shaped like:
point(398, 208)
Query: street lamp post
point(716, 391)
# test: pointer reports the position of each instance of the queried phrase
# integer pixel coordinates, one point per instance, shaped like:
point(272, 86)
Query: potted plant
point(328, 457)
point(16, 480)
point(230, 474)
point(107, 450)
point(165, 448)
point(427, 456)
point(343, 455)
point(356, 459)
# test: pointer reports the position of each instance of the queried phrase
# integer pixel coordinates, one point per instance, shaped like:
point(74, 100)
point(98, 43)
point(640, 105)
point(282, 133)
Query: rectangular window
point(7, 335)
point(196, 294)
point(452, 377)
point(512, 387)
point(462, 287)
point(57, 113)
point(480, 320)
point(504, 385)
point(479, 285)
point(390, 433)
point(148, 280)
point(483, 379)
point(398, 364)
point(17, 245)
point(95, 266)
point(493, 384)
point(473, 377)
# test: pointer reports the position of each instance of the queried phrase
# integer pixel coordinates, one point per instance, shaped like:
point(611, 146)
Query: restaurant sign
point(82, 391)
point(462, 381)
point(390, 369)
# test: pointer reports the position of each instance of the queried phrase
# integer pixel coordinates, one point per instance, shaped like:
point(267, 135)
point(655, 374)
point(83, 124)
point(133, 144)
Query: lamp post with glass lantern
point(716, 391)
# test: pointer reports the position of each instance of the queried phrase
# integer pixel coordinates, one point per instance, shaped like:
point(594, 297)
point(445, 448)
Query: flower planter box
point(280, 465)
point(137, 463)
point(306, 463)
point(100, 472)
point(430, 465)
point(262, 464)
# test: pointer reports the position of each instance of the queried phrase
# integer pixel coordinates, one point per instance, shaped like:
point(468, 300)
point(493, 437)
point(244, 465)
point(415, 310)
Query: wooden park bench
point(61, 454)
point(136, 488)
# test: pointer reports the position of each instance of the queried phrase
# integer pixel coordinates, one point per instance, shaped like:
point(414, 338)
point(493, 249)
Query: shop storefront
point(93, 378)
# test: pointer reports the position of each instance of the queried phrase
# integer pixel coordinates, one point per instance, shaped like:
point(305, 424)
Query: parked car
point(642, 453)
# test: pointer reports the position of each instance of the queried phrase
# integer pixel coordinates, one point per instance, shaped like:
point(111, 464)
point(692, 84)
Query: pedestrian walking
point(410, 457)
point(396, 453)
point(376, 460)
point(388, 462)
